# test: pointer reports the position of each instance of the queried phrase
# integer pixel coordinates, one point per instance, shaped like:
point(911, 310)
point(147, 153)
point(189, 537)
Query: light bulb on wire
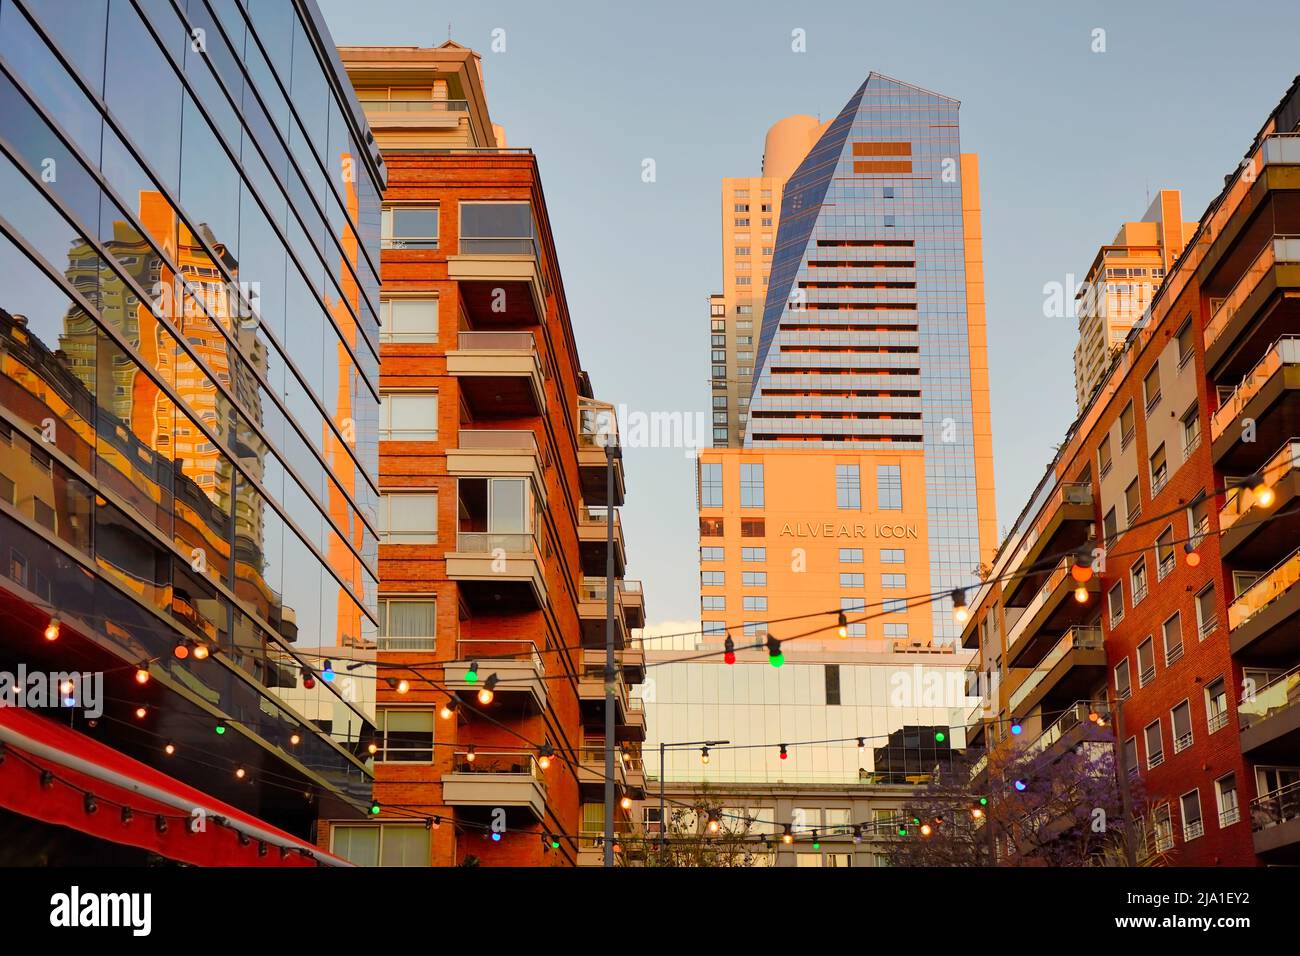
point(52, 629)
point(843, 626)
point(1193, 556)
point(729, 650)
point(487, 692)
point(775, 656)
point(960, 612)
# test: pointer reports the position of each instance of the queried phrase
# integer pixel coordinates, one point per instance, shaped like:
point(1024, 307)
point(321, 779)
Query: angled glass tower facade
point(872, 339)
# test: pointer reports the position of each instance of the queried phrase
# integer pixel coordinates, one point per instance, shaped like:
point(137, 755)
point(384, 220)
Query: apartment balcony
point(498, 572)
point(1275, 825)
point(634, 768)
point(510, 779)
point(1262, 621)
point(501, 281)
point(591, 769)
point(1269, 394)
point(1051, 611)
point(1265, 196)
point(1064, 523)
point(1270, 721)
point(598, 431)
point(1264, 304)
point(497, 453)
point(633, 601)
point(518, 665)
point(629, 712)
point(632, 660)
point(592, 616)
point(1070, 669)
point(500, 374)
point(592, 538)
point(1073, 727)
point(1248, 537)
point(388, 116)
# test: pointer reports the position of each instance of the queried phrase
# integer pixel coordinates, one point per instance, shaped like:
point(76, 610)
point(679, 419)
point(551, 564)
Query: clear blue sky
point(1071, 143)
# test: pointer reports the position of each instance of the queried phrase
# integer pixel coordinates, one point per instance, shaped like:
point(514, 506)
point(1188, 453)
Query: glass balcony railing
point(1077, 638)
point(1276, 807)
point(1279, 694)
point(494, 341)
point(597, 423)
point(1285, 351)
point(1242, 499)
point(1054, 580)
point(512, 762)
point(1270, 586)
point(1076, 714)
point(1281, 249)
point(415, 106)
point(481, 542)
point(497, 439)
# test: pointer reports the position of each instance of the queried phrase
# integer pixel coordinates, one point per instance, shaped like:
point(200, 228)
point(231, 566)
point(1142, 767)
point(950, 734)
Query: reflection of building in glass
point(189, 400)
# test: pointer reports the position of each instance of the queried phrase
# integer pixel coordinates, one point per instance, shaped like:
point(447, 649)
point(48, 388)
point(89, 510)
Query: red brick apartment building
point(493, 501)
point(1181, 474)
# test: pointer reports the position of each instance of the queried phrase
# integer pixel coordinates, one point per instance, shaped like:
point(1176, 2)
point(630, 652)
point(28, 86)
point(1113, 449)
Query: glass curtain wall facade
point(866, 341)
point(189, 243)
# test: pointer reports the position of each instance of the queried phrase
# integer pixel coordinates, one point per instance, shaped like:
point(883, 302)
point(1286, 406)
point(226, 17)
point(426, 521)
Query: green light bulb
point(776, 660)
point(471, 676)
point(939, 736)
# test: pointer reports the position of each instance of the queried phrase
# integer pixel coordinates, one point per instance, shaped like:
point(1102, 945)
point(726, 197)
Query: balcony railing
point(1059, 574)
point(517, 763)
point(597, 423)
point(497, 439)
point(1279, 694)
point(1074, 715)
point(1229, 816)
point(1241, 498)
point(1217, 721)
point(1281, 249)
point(415, 106)
point(1285, 351)
point(1193, 829)
point(1275, 808)
point(470, 648)
point(1270, 586)
point(494, 341)
point(481, 542)
point(1080, 638)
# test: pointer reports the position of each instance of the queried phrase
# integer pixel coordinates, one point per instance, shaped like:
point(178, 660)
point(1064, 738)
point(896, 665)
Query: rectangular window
point(1155, 745)
point(710, 485)
point(1131, 756)
point(832, 685)
point(893, 581)
point(1146, 662)
point(1138, 580)
point(387, 844)
point(1193, 827)
point(711, 528)
point(1133, 501)
point(1173, 632)
point(713, 628)
point(1165, 557)
point(405, 735)
point(1207, 616)
point(712, 579)
point(408, 416)
point(1191, 430)
point(408, 319)
point(894, 606)
point(1164, 830)
point(751, 485)
point(1185, 341)
point(1103, 457)
point(896, 631)
point(753, 579)
point(1151, 388)
point(408, 624)
point(1115, 602)
point(852, 580)
point(409, 227)
point(753, 528)
point(848, 487)
point(755, 602)
point(753, 555)
point(1159, 470)
point(1181, 717)
point(408, 517)
point(1126, 425)
point(755, 628)
point(1123, 683)
point(497, 228)
point(851, 556)
point(1216, 705)
point(1110, 527)
point(891, 555)
point(1225, 795)
point(889, 487)
point(713, 602)
point(711, 554)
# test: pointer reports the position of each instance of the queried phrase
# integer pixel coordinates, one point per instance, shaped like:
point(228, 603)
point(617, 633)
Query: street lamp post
point(663, 747)
point(612, 452)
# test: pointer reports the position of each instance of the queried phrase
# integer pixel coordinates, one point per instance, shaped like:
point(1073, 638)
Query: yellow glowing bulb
point(961, 614)
point(200, 652)
point(626, 803)
point(925, 829)
point(295, 739)
point(544, 762)
point(403, 686)
point(485, 696)
point(1264, 495)
point(240, 772)
point(52, 631)
point(140, 712)
point(141, 676)
point(372, 748)
point(1081, 594)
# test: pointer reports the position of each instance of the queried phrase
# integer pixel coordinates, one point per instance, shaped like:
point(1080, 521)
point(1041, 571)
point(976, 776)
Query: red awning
point(81, 765)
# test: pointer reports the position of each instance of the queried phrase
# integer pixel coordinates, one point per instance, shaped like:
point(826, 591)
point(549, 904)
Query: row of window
point(713, 553)
point(498, 228)
point(848, 486)
point(1171, 632)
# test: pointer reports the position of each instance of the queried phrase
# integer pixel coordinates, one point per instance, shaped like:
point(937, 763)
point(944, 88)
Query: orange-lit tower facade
point(493, 505)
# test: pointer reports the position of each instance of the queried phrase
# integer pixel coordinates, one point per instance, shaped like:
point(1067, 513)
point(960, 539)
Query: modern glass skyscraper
point(189, 238)
point(873, 331)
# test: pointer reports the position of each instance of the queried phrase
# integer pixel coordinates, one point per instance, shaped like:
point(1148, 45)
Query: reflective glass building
point(873, 330)
point(189, 237)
